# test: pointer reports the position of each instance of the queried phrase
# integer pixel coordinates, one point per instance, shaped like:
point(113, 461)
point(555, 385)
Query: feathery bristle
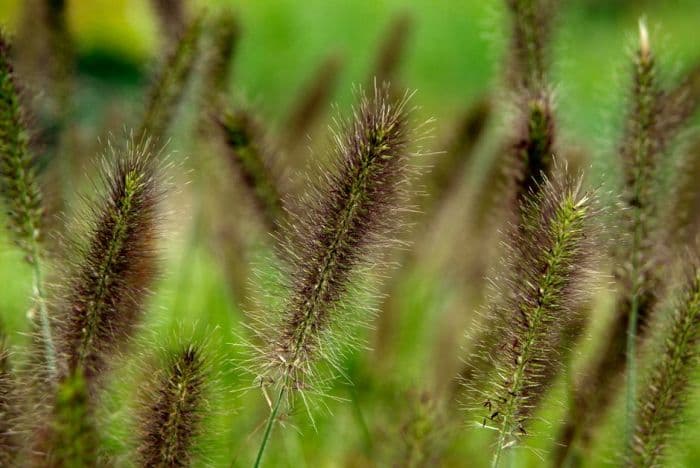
point(9, 407)
point(665, 392)
point(548, 257)
point(245, 150)
point(108, 285)
point(73, 438)
point(171, 411)
point(18, 185)
point(343, 223)
point(313, 99)
point(531, 30)
point(170, 83)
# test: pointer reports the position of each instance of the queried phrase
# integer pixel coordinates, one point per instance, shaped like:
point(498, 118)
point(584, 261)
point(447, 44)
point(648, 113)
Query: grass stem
point(268, 427)
point(45, 323)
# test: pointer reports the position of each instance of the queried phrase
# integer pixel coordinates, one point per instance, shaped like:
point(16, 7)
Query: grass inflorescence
point(306, 242)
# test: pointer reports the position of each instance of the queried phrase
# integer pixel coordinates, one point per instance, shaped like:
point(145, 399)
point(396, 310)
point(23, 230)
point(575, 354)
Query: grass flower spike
point(546, 269)
point(20, 193)
point(108, 285)
point(245, 151)
point(169, 85)
point(665, 392)
point(171, 412)
point(342, 224)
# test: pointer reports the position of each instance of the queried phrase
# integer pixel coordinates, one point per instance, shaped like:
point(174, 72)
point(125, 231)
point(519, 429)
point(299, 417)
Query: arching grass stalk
point(21, 194)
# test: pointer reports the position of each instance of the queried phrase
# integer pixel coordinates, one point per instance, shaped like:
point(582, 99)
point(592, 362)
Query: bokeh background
point(453, 57)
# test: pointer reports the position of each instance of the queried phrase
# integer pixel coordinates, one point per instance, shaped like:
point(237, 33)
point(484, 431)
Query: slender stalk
point(268, 427)
point(45, 322)
point(631, 350)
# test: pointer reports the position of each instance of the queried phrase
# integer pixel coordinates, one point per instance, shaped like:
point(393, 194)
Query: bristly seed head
point(106, 290)
point(666, 389)
point(169, 85)
point(171, 410)
point(245, 149)
point(18, 185)
point(547, 267)
point(531, 24)
point(341, 226)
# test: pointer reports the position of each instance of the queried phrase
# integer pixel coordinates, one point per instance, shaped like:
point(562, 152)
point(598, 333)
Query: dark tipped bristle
point(245, 151)
point(545, 278)
point(313, 100)
point(107, 288)
point(18, 186)
point(347, 218)
point(665, 393)
point(169, 85)
point(531, 22)
point(171, 412)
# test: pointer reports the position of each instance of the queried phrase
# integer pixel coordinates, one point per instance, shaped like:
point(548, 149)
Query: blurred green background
point(455, 55)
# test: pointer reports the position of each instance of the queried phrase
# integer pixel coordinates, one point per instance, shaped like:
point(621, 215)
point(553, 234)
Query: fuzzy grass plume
point(531, 25)
point(651, 126)
point(107, 286)
point(245, 151)
point(665, 392)
point(171, 410)
point(20, 192)
point(392, 49)
point(532, 152)
point(342, 224)
point(449, 168)
point(169, 85)
point(546, 268)
point(313, 100)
